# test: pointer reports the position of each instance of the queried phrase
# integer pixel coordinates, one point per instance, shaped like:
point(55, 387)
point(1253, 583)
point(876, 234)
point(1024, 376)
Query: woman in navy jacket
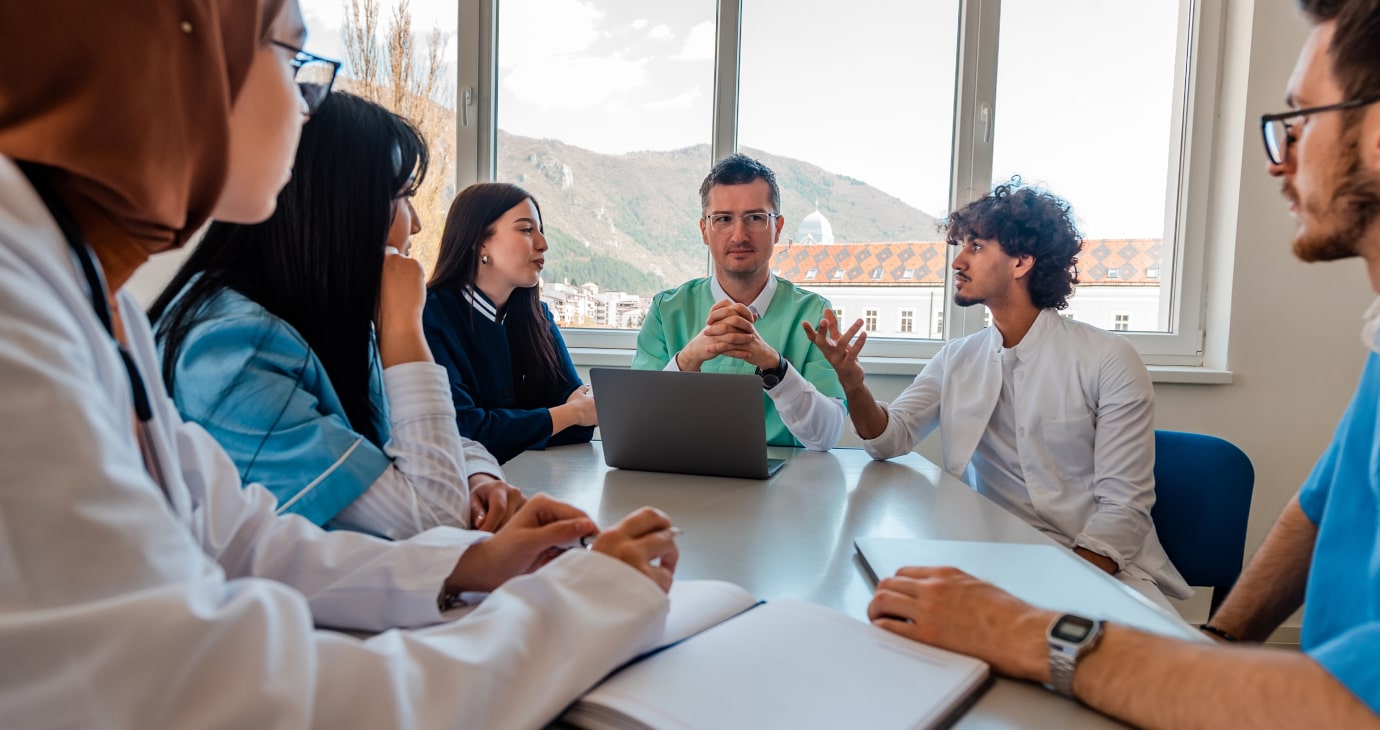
point(511, 377)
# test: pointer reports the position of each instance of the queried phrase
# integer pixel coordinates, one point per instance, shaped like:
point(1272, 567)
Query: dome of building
point(814, 228)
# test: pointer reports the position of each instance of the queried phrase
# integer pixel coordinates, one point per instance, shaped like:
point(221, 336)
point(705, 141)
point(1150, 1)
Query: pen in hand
point(586, 541)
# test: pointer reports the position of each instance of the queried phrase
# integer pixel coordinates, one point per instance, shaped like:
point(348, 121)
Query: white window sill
point(605, 357)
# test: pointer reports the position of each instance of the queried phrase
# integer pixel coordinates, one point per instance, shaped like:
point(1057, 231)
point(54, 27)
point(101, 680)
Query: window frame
point(1199, 62)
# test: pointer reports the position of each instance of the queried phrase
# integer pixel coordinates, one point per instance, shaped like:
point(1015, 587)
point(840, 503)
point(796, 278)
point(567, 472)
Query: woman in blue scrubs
point(297, 343)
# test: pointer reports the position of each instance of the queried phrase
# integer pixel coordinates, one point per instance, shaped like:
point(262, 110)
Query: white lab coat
point(1084, 431)
point(120, 607)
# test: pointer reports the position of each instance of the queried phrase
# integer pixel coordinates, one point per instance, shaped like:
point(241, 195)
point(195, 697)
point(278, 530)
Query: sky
point(1084, 88)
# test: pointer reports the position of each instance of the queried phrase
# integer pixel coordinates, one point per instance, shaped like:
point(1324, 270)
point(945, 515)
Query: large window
point(878, 117)
point(400, 54)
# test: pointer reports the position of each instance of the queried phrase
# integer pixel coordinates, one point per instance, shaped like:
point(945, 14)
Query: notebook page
point(790, 664)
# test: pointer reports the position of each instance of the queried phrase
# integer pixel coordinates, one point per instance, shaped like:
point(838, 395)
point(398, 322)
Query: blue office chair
point(1203, 490)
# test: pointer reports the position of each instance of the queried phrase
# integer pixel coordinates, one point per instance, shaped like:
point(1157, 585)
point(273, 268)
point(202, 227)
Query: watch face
point(1073, 629)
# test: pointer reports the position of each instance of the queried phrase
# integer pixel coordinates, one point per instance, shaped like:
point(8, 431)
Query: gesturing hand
point(839, 348)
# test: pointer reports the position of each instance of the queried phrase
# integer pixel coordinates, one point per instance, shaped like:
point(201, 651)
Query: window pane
point(1085, 107)
point(854, 112)
point(604, 115)
point(420, 88)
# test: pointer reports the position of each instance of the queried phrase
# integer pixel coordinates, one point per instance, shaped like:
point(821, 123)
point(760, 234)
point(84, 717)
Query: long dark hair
point(470, 222)
point(317, 261)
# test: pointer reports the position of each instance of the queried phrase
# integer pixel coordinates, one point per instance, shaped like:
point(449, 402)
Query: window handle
point(985, 118)
point(466, 101)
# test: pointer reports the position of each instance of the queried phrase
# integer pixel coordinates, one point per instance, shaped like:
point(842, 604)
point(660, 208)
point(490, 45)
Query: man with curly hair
point(1324, 550)
point(1050, 418)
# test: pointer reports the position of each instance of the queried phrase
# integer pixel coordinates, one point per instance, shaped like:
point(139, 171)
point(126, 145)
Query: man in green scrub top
point(744, 319)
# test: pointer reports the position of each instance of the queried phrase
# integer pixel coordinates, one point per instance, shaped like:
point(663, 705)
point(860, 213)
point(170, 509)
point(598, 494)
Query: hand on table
point(531, 538)
point(950, 609)
point(493, 502)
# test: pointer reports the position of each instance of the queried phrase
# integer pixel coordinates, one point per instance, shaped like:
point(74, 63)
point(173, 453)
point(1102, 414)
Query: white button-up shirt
point(1074, 453)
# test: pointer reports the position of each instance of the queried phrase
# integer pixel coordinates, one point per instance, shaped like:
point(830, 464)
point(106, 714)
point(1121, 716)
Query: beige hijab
point(129, 101)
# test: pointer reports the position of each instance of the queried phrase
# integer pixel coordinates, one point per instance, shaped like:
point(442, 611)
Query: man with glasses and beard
point(744, 319)
point(1324, 550)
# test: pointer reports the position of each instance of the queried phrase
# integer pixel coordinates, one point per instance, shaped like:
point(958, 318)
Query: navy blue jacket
point(470, 340)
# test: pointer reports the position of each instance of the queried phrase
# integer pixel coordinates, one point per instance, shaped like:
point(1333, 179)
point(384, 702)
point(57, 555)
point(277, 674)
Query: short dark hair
point(739, 169)
point(1355, 61)
point(1025, 221)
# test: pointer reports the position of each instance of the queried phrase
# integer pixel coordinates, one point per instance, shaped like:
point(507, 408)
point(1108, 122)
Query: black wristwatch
point(772, 378)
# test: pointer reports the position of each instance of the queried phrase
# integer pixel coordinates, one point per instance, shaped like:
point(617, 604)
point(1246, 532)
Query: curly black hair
point(1025, 221)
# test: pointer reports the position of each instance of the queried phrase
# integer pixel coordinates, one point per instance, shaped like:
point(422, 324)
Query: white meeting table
point(791, 536)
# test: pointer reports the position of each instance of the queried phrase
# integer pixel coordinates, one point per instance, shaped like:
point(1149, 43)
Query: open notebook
point(1047, 576)
point(785, 663)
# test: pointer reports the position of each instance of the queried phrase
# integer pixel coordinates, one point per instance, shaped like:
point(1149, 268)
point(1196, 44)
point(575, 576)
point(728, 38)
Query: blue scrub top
point(252, 382)
point(1341, 616)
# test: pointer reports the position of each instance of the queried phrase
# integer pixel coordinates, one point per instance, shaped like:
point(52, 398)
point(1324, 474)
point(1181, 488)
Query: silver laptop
point(686, 423)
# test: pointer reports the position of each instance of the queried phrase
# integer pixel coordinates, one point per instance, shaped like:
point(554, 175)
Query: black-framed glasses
point(1277, 128)
point(314, 75)
point(752, 222)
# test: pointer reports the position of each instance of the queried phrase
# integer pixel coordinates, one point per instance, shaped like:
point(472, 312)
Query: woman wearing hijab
point(292, 341)
point(142, 587)
point(512, 380)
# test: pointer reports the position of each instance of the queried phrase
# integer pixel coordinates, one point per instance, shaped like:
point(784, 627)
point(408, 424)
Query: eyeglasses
point(752, 222)
point(314, 75)
point(1276, 128)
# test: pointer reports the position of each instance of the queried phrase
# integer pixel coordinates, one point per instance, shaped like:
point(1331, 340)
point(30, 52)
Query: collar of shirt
point(1029, 344)
point(1370, 326)
point(483, 305)
point(759, 304)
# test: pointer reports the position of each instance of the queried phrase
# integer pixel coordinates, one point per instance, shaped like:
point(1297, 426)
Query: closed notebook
point(1047, 576)
point(785, 663)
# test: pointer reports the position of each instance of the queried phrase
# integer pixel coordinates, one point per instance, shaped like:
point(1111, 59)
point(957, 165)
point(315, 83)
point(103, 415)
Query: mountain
point(629, 223)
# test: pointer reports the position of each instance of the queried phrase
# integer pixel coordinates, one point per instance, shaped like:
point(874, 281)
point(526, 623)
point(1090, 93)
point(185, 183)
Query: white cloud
point(569, 83)
point(540, 30)
point(661, 33)
point(699, 43)
point(679, 101)
point(640, 23)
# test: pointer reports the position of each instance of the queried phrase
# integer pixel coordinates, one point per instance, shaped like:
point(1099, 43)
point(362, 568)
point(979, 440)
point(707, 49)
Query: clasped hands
point(728, 331)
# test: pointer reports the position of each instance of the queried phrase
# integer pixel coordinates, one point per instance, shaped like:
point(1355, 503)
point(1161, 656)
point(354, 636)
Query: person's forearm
point(562, 417)
point(401, 342)
point(869, 417)
point(1154, 682)
point(1272, 585)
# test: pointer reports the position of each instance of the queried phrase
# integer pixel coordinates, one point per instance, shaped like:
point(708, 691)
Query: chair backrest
point(1203, 488)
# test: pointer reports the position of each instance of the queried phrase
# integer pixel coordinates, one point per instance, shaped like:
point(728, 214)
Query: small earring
point(484, 259)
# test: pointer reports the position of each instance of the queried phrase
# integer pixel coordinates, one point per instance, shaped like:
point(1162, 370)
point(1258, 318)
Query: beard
point(963, 301)
point(1352, 210)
